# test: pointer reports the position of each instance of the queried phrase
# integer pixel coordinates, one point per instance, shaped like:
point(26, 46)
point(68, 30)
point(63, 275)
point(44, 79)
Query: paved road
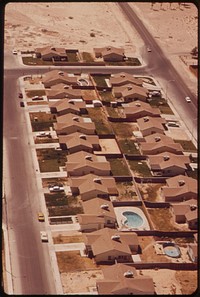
point(30, 262)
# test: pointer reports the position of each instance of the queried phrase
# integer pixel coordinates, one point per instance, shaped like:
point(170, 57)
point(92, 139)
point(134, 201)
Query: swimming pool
point(171, 250)
point(133, 220)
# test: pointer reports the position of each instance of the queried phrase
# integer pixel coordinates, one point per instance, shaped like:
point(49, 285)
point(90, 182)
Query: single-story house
point(77, 141)
point(61, 91)
point(48, 53)
point(179, 210)
point(98, 213)
point(110, 53)
point(55, 77)
point(82, 163)
point(192, 219)
point(90, 186)
point(130, 92)
point(70, 123)
point(123, 78)
point(122, 279)
point(138, 109)
point(156, 137)
point(179, 188)
point(61, 107)
point(193, 252)
point(168, 164)
point(158, 147)
point(108, 245)
point(151, 125)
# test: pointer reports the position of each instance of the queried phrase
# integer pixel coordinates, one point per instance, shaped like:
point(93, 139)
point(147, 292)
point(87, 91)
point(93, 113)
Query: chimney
point(166, 158)
point(181, 182)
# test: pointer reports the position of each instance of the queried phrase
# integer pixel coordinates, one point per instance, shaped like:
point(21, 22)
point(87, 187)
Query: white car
point(56, 189)
point(188, 99)
point(14, 52)
point(44, 236)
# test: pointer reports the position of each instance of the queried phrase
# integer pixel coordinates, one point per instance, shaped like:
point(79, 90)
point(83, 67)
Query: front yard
point(41, 121)
point(50, 159)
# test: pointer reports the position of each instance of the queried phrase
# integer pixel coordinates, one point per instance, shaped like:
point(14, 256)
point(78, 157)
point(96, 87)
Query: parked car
point(155, 93)
point(172, 124)
point(43, 134)
point(20, 95)
point(22, 104)
point(41, 217)
point(56, 189)
point(44, 236)
point(188, 99)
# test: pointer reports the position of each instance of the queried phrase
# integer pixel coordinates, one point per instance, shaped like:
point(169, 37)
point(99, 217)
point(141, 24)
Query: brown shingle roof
point(124, 78)
point(151, 122)
point(52, 77)
point(94, 206)
point(166, 160)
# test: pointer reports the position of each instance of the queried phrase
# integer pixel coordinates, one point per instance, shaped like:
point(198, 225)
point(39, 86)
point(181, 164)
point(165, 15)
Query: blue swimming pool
point(133, 220)
point(171, 250)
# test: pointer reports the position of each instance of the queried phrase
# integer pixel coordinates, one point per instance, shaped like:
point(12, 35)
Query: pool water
point(171, 250)
point(133, 220)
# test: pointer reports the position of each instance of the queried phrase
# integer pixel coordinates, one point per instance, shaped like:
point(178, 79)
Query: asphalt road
point(30, 261)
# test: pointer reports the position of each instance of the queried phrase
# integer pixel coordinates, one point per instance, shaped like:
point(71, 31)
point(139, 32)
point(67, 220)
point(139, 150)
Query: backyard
point(150, 192)
point(119, 167)
point(128, 146)
point(123, 130)
point(99, 118)
point(100, 80)
point(140, 168)
point(126, 191)
point(107, 96)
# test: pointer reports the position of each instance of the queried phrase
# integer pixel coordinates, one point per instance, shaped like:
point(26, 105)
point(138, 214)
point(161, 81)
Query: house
point(70, 123)
point(130, 92)
point(90, 186)
point(192, 219)
point(179, 210)
point(65, 106)
point(122, 279)
point(77, 141)
point(109, 245)
point(82, 163)
point(110, 53)
point(48, 53)
point(138, 109)
point(98, 213)
point(156, 137)
point(55, 77)
point(151, 125)
point(179, 188)
point(168, 164)
point(193, 252)
point(60, 91)
point(159, 146)
point(123, 78)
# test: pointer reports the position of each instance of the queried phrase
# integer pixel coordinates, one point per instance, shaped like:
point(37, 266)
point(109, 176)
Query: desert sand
point(87, 25)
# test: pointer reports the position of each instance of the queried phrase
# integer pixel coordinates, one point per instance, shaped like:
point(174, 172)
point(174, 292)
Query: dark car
point(22, 104)
point(20, 95)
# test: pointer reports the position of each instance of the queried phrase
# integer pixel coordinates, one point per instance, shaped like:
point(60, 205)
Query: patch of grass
point(35, 61)
point(129, 62)
point(46, 140)
point(119, 167)
point(72, 261)
point(127, 146)
point(55, 199)
point(113, 112)
point(87, 57)
point(100, 80)
point(106, 96)
point(38, 103)
point(41, 121)
point(123, 130)
point(99, 118)
point(161, 218)
point(140, 169)
point(67, 239)
point(162, 104)
point(187, 145)
point(50, 159)
point(32, 93)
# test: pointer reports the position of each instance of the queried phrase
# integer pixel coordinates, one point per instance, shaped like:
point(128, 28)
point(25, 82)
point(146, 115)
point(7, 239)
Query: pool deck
point(120, 218)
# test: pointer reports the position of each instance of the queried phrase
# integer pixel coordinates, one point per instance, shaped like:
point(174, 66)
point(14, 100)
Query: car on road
point(188, 99)
point(14, 52)
point(148, 49)
point(41, 217)
point(44, 236)
point(20, 95)
point(22, 104)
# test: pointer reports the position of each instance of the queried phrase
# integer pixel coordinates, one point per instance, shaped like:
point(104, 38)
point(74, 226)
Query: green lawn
point(50, 159)
point(100, 80)
point(127, 146)
point(119, 167)
point(140, 167)
point(35, 61)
